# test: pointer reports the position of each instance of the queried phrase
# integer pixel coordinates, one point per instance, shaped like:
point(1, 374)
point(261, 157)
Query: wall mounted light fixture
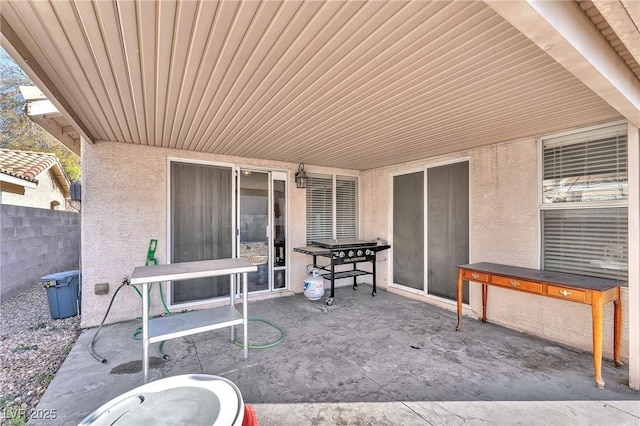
point(301, 177)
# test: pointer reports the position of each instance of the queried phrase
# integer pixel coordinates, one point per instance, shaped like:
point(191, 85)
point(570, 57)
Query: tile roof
point(25, 164)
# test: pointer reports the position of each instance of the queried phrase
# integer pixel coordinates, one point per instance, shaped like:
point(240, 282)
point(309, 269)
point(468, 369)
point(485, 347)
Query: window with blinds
point(331, 211)
point(586, 167)
point(346, 202)
point(586, 241)
point(584, 203)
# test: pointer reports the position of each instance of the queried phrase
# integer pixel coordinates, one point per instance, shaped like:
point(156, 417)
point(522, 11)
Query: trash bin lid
point(58, 276)
point(192, 399)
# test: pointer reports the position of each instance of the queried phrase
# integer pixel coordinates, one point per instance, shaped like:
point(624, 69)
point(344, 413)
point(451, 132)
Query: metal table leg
point(145, 332)
point(245, 315)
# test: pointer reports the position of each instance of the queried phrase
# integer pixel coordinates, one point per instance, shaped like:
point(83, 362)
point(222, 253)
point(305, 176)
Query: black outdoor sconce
point(301, 177)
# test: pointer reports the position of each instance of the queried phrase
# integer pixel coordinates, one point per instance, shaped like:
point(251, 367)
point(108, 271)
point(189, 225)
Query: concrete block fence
point(34, 243)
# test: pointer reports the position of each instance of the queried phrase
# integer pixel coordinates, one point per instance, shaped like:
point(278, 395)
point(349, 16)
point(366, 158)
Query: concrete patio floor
point(386, 360)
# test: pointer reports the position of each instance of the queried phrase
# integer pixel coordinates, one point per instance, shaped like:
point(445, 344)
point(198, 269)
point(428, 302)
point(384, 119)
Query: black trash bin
point(62, 292)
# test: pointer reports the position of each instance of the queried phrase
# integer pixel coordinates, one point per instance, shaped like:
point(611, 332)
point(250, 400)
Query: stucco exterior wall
point(39, 197)
point(124, 205)
point(504, 228)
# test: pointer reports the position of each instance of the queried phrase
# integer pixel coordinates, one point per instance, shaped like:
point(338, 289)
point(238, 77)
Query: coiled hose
point(265, 345)
point(136, 334)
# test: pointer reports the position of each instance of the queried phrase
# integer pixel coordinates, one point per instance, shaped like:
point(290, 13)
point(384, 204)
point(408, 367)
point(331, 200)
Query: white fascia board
point(42, 108)
point(565, 32)
point(32, 93)
point(17, 181)
point(10, 41)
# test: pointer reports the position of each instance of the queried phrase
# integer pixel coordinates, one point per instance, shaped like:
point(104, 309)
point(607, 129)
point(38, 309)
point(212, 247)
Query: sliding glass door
point(262, 224)
point(253, 220)
point(408, 230)
point(447, 228)
point(201, 223)
point(431, 229)
point(226, 211)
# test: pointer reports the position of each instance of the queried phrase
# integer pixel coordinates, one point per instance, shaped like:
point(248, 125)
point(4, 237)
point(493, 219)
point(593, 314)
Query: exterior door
point(408, 230)
point(431, 229)
point(261, 198)
point(447, 228)
point(201, 223)
point(253, 225)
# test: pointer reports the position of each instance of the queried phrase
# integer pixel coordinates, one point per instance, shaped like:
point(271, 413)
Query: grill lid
point(343, 242)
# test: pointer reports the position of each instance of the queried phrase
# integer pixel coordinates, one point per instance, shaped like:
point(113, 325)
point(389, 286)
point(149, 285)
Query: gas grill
point(347, 251)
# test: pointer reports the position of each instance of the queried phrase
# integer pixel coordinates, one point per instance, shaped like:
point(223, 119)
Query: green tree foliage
point(17, 131)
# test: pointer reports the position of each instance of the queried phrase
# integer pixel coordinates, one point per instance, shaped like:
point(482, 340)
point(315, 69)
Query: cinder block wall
point(34, 243)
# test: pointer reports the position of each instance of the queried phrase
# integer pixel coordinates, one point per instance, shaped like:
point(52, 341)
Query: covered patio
point(440, 128)
point(368, 361)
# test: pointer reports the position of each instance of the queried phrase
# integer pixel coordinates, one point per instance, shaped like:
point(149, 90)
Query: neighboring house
point(33, 179)
point(498, 131)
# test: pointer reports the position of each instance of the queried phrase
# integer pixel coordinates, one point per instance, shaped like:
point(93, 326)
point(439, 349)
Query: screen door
point(447, 228)
point(201, 220)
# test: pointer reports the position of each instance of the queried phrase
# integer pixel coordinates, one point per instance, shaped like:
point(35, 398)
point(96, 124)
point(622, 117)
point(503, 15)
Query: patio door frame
point(271, 267)
point(233, 225)
point(425, 290)
point(235, 203)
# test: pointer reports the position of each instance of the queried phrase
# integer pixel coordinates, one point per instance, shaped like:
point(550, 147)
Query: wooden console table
point(174, 326)
point(574, 288)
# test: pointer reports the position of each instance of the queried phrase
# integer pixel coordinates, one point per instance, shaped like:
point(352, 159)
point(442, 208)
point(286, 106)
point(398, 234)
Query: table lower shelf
point(188, 323)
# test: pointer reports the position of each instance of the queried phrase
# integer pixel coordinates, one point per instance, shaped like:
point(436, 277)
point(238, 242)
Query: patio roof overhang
point(352, 84)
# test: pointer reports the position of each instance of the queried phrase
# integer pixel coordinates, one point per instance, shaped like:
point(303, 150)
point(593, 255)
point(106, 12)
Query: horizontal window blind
point(324, 201)
point(593, 168)
point(588, 166)
point(586, 241)
point(346, 207)
point(319, 208)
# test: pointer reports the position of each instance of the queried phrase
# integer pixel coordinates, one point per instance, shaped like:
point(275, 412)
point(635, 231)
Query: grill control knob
point(359, 252)
point(351, 253)
point(367, 252)
point(341, 254)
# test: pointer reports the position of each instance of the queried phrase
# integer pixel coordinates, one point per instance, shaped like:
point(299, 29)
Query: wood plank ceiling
point(355, 84)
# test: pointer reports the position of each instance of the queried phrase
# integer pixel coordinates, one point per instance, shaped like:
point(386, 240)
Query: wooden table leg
point(617, 329)
point(596, 313)
point(484, 302)
point(459, 294)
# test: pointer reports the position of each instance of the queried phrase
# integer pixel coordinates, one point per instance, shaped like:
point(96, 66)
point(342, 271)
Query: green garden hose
point(137, 334)
point(265, 345)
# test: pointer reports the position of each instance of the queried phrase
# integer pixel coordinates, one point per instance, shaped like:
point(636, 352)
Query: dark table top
point(551, 277)
point(322, 251)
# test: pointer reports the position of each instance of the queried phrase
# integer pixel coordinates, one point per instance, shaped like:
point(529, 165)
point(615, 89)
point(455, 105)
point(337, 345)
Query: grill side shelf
point(345, 274)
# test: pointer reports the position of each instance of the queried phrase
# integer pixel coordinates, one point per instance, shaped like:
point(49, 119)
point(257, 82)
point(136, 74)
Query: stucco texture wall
point(40, 196)
point(124, 205)
point(504, 228)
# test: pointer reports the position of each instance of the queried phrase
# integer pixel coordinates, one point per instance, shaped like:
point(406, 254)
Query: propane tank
point(314, 285)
